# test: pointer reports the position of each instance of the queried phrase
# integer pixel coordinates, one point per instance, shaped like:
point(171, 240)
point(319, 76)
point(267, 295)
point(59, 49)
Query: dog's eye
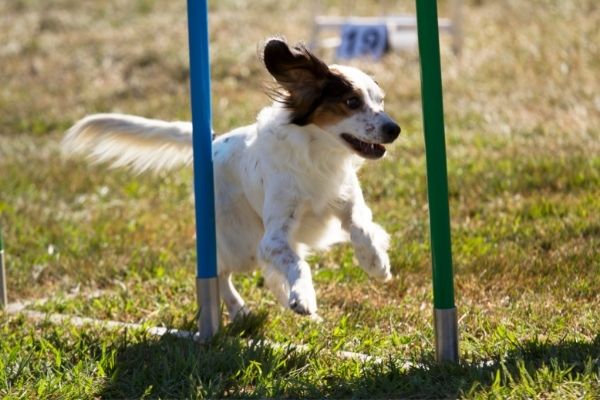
point(353, 103)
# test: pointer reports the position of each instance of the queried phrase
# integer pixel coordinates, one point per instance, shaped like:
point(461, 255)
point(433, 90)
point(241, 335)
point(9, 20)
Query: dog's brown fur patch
point(313, 92)
point(334, 110)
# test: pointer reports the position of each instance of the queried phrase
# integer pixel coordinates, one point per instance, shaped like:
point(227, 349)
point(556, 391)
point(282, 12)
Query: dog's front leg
point(370, 241)
point(280, 219)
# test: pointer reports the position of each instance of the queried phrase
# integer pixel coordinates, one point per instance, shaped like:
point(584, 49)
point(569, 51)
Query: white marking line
point(15, 307)
point(19, 308)
point(83, 321)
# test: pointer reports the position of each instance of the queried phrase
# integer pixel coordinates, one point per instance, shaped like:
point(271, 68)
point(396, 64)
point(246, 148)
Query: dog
point(284, 185)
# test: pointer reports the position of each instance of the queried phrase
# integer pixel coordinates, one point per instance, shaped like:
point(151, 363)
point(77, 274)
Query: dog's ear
point(293, 67)
point(301, 74)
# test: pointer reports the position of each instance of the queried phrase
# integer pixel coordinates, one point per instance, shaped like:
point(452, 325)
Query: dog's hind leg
point(233, 301)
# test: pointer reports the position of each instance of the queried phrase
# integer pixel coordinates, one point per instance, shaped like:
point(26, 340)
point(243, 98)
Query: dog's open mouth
point(371, 151)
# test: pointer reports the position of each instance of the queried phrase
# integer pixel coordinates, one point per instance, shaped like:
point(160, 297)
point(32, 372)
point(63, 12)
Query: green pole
point(446, 331)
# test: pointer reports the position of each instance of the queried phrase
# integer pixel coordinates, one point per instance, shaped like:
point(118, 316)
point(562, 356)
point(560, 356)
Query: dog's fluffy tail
point(128, 141)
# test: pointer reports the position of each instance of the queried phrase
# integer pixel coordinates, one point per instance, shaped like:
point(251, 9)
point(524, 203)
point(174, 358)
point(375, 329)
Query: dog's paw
point(376, 264)
point(316, 318)
point(303, 299)
point(371, 251)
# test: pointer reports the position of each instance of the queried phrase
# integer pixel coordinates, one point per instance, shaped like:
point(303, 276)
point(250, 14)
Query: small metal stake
point(3, 294)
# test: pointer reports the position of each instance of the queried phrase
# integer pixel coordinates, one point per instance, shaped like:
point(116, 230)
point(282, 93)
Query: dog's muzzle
point(372, 151)
point(390, 131)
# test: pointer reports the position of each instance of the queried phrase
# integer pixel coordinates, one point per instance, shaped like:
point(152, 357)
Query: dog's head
point(343, 101)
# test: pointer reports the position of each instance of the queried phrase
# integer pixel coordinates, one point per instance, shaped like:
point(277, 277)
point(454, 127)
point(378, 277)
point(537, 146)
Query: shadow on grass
point(233, 366)
point(171, 367)
point(429, 380)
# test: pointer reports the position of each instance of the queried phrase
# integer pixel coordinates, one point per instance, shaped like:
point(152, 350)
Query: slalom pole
point(207, 288)
point(445, 321)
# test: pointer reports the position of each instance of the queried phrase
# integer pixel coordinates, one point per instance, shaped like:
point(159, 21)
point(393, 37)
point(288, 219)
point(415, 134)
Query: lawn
point(522, 107)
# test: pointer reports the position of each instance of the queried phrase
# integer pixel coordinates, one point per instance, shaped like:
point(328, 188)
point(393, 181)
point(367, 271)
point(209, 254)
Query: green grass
point(523, 136)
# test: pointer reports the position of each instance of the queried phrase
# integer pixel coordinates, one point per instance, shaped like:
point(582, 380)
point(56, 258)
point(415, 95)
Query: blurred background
point(532, 66)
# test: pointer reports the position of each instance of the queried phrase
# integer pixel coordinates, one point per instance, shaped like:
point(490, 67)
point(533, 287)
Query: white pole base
point(446, 335)
point(209, 319)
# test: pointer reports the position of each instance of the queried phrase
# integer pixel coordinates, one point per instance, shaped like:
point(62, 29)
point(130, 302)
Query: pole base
point(209, 319)
point(446, 335)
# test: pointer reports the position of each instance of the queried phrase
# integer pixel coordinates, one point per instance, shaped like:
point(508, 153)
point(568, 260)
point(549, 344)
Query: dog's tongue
point(367, 150)
point(373, 150)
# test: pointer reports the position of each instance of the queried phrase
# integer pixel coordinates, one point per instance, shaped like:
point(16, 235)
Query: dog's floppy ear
point(293, 67)
point(301, 74)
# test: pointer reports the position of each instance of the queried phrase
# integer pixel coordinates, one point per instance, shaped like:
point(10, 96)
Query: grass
point(523, 135)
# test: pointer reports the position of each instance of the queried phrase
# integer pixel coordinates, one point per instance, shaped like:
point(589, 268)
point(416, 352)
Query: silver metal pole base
point(209, 319)
point(446, 335)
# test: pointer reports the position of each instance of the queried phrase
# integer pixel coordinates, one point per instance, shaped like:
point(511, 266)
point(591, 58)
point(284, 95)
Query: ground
point(522, 109)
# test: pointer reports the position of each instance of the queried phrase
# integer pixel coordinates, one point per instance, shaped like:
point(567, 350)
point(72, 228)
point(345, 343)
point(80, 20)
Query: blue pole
point(206, 276)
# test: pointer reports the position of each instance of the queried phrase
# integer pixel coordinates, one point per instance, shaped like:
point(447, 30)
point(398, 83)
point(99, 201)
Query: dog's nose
point(390, 131)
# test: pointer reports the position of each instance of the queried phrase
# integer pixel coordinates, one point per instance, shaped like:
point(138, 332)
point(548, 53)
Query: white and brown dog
point(283, 185)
